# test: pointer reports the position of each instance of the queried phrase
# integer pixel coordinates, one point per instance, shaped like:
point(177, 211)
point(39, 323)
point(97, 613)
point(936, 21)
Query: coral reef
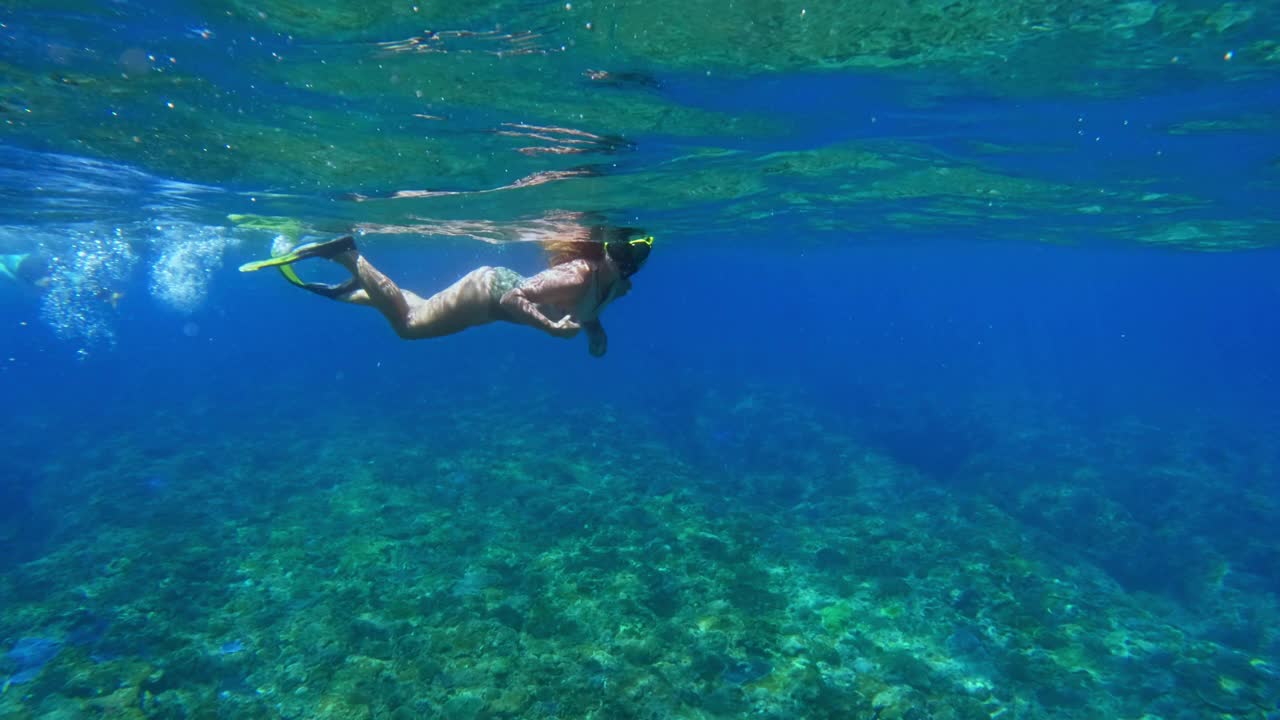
point(773, 565)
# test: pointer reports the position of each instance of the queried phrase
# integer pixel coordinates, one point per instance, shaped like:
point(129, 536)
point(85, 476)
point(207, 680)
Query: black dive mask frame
point(631, 255)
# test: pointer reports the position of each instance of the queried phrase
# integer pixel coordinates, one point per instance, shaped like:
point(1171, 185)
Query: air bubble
point(189, 255)
point(85, 284)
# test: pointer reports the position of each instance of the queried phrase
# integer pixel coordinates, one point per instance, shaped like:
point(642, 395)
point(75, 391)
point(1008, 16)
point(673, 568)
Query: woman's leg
point(469, 301)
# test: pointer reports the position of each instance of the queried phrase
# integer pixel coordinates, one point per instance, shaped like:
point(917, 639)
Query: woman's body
point(561, 300)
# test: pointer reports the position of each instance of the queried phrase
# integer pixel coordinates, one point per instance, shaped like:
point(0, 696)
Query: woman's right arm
point(560, 285)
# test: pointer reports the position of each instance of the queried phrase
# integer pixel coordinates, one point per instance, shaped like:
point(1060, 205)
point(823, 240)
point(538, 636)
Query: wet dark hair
point(629, 255)
point(593, 246)
point(563, 251)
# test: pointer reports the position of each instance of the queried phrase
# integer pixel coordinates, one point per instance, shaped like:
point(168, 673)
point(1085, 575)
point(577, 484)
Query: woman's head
point(630, 255)
point(605, 240)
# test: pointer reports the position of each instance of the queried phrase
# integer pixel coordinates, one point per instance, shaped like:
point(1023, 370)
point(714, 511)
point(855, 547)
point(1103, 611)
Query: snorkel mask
point(630, 256)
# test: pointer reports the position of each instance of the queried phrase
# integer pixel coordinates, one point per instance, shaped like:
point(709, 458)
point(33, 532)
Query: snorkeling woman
point(583, 278)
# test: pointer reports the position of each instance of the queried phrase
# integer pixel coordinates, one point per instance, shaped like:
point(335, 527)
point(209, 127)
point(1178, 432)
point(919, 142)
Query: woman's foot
point(333, 292)
point(327, 250)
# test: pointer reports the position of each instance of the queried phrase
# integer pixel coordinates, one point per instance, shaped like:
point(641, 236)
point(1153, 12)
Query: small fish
point(110, 297)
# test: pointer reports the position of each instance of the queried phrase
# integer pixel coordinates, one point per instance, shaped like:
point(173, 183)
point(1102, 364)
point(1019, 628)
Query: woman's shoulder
point(579, 265)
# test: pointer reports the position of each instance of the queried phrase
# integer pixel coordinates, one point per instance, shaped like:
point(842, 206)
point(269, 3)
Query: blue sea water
point(949, 390)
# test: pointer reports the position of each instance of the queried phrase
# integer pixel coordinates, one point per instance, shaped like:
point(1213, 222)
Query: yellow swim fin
point(290, 275)
point(282, 261)
point(327, 250)
point(289, 227)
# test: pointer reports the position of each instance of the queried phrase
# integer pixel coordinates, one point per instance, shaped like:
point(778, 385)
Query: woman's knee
point(403, 330)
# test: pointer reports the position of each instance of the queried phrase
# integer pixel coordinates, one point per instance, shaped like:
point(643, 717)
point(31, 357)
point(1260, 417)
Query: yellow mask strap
point(638, 241)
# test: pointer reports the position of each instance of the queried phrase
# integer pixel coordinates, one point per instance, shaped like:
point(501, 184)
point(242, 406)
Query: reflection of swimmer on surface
point(584, 277)
point(29, 269)
point(31, 272)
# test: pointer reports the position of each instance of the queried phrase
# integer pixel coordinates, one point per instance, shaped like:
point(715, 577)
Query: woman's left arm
point(597, 341)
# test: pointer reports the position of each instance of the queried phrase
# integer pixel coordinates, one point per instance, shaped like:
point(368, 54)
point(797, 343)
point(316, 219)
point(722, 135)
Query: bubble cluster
point(87, 278)
point(281, 245)
point(90, 270)
point(188, 255)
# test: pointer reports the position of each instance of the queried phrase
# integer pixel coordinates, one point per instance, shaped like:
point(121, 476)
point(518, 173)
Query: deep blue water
point(1146, 331)
point(939, 353)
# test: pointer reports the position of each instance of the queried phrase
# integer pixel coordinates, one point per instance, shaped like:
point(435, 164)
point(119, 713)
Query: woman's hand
point(565, 327)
